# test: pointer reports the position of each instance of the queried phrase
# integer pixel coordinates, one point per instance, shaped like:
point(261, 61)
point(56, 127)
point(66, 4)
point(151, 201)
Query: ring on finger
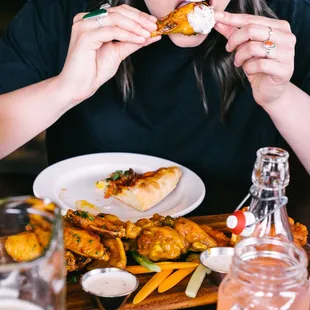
point(269, 46)
point(96, 14)
point(270, 34)
point(99, 22)
point(105, 6)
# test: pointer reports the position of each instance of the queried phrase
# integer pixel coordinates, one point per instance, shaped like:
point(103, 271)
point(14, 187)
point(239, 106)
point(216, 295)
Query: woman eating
point(101, 82)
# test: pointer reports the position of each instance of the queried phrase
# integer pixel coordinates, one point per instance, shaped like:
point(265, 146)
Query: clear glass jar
point(32, 269)
point(266, 274)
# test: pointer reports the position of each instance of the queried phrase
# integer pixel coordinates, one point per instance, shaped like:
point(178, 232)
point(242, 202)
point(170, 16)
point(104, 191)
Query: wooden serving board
point(175, 298)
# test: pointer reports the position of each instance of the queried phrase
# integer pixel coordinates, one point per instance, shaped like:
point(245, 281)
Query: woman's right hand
point(95, 53)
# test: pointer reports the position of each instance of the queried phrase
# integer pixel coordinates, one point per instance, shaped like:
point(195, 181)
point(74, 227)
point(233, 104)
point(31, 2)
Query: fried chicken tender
point(103, 224)
point(160, 243)
point(84, 243)
point(219, 237)
point(196, 239)
point(23, 247)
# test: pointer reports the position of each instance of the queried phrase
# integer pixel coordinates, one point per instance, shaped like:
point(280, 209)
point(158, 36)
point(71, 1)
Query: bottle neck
point(268, 263)
point(269, 208)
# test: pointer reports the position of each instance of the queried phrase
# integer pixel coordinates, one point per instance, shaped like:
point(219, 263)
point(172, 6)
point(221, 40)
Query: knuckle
point(118, 33)
point(237, 57)
point(76, 27)
point(77, 17)
point(251, 29)
point(114, 16)
point(124, 6)
point(261, 65)
point(293, 40)
point(285, 25)
point(252, 47)
point(82, 37)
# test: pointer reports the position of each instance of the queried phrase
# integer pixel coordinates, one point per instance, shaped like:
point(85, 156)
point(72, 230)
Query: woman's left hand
point(268, 71)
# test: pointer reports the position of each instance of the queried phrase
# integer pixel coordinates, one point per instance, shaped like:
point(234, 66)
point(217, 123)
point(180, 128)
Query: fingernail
point(145, 33)
point(227, 47)
point(219, 15)
point(153, 19)
point(101, 12)
point(141, 39)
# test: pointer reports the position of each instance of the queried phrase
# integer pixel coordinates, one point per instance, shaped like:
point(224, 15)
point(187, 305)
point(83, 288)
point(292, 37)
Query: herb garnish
point(78, 238)
point(74, 279)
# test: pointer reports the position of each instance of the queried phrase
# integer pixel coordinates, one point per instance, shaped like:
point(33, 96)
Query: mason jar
point(266, 273)
point(32, 269)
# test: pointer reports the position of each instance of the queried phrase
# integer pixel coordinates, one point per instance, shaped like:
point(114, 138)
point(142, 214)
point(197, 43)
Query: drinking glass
point(32, 271)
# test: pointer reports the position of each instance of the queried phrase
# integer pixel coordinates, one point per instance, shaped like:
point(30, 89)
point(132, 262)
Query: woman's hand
point(269, 72)
point(98, 47)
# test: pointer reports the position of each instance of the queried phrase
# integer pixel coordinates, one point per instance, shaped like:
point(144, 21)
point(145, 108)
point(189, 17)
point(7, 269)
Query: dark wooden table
point(220, 197)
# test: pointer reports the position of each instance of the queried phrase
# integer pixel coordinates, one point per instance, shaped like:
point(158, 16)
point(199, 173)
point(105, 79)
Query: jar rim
point(252, 248)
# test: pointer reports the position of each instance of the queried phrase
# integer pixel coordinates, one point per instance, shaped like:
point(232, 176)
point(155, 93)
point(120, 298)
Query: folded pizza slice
point(141, 191)
point(189, 19)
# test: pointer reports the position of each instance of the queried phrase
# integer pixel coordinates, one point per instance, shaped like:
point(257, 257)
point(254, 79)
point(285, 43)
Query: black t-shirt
point(166, 117)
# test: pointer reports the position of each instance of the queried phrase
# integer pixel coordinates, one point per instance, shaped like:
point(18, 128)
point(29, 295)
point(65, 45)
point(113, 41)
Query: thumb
point(225, 30)
point(125, 49)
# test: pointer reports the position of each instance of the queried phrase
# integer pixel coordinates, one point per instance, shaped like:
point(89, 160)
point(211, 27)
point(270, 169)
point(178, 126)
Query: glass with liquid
point(266, 273)
point(32, 273)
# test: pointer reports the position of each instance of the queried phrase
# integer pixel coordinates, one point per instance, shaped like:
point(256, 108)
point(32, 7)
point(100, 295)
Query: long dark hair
point(211, 51)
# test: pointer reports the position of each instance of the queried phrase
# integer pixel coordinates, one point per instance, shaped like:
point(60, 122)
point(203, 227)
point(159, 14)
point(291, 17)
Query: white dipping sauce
point(110, 284)
point(220, 263)
point(17, 304)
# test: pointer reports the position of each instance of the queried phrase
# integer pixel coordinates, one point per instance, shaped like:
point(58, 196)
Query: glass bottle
point(266, 273)
point(267, 214)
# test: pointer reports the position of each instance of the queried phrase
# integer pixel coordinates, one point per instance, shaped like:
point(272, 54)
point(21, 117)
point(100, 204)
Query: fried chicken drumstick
point(190, 19)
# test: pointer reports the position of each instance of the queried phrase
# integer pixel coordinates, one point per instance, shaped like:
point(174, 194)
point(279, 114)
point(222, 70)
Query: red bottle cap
point(236, 222)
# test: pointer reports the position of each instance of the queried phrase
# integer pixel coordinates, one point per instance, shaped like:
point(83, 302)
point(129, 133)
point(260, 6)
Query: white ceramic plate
point(72, 180)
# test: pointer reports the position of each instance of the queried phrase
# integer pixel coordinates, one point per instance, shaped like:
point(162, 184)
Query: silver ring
point(270, 33)
point(105, 6)
point(99, 22)
point(269, 46)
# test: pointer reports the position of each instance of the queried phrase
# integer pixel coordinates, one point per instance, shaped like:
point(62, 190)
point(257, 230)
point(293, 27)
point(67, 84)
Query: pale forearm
point(291, 116)
point(26, 112)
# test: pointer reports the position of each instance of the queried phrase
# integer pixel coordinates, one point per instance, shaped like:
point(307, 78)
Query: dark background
point(30, 158)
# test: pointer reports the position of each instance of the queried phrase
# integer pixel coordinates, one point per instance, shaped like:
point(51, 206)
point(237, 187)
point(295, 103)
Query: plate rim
point(182, 212)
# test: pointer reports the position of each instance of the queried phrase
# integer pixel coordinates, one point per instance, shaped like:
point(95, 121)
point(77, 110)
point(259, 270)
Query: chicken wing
point(84, 243)
point(300, 234)
point(23, 247)
point(43, 236)
point(75, 262)
point(195, 238)
point(103, 224)
point(156, 221)
point(160, 243)
point(219, 237)
point(190, 19)
point(117, 253)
